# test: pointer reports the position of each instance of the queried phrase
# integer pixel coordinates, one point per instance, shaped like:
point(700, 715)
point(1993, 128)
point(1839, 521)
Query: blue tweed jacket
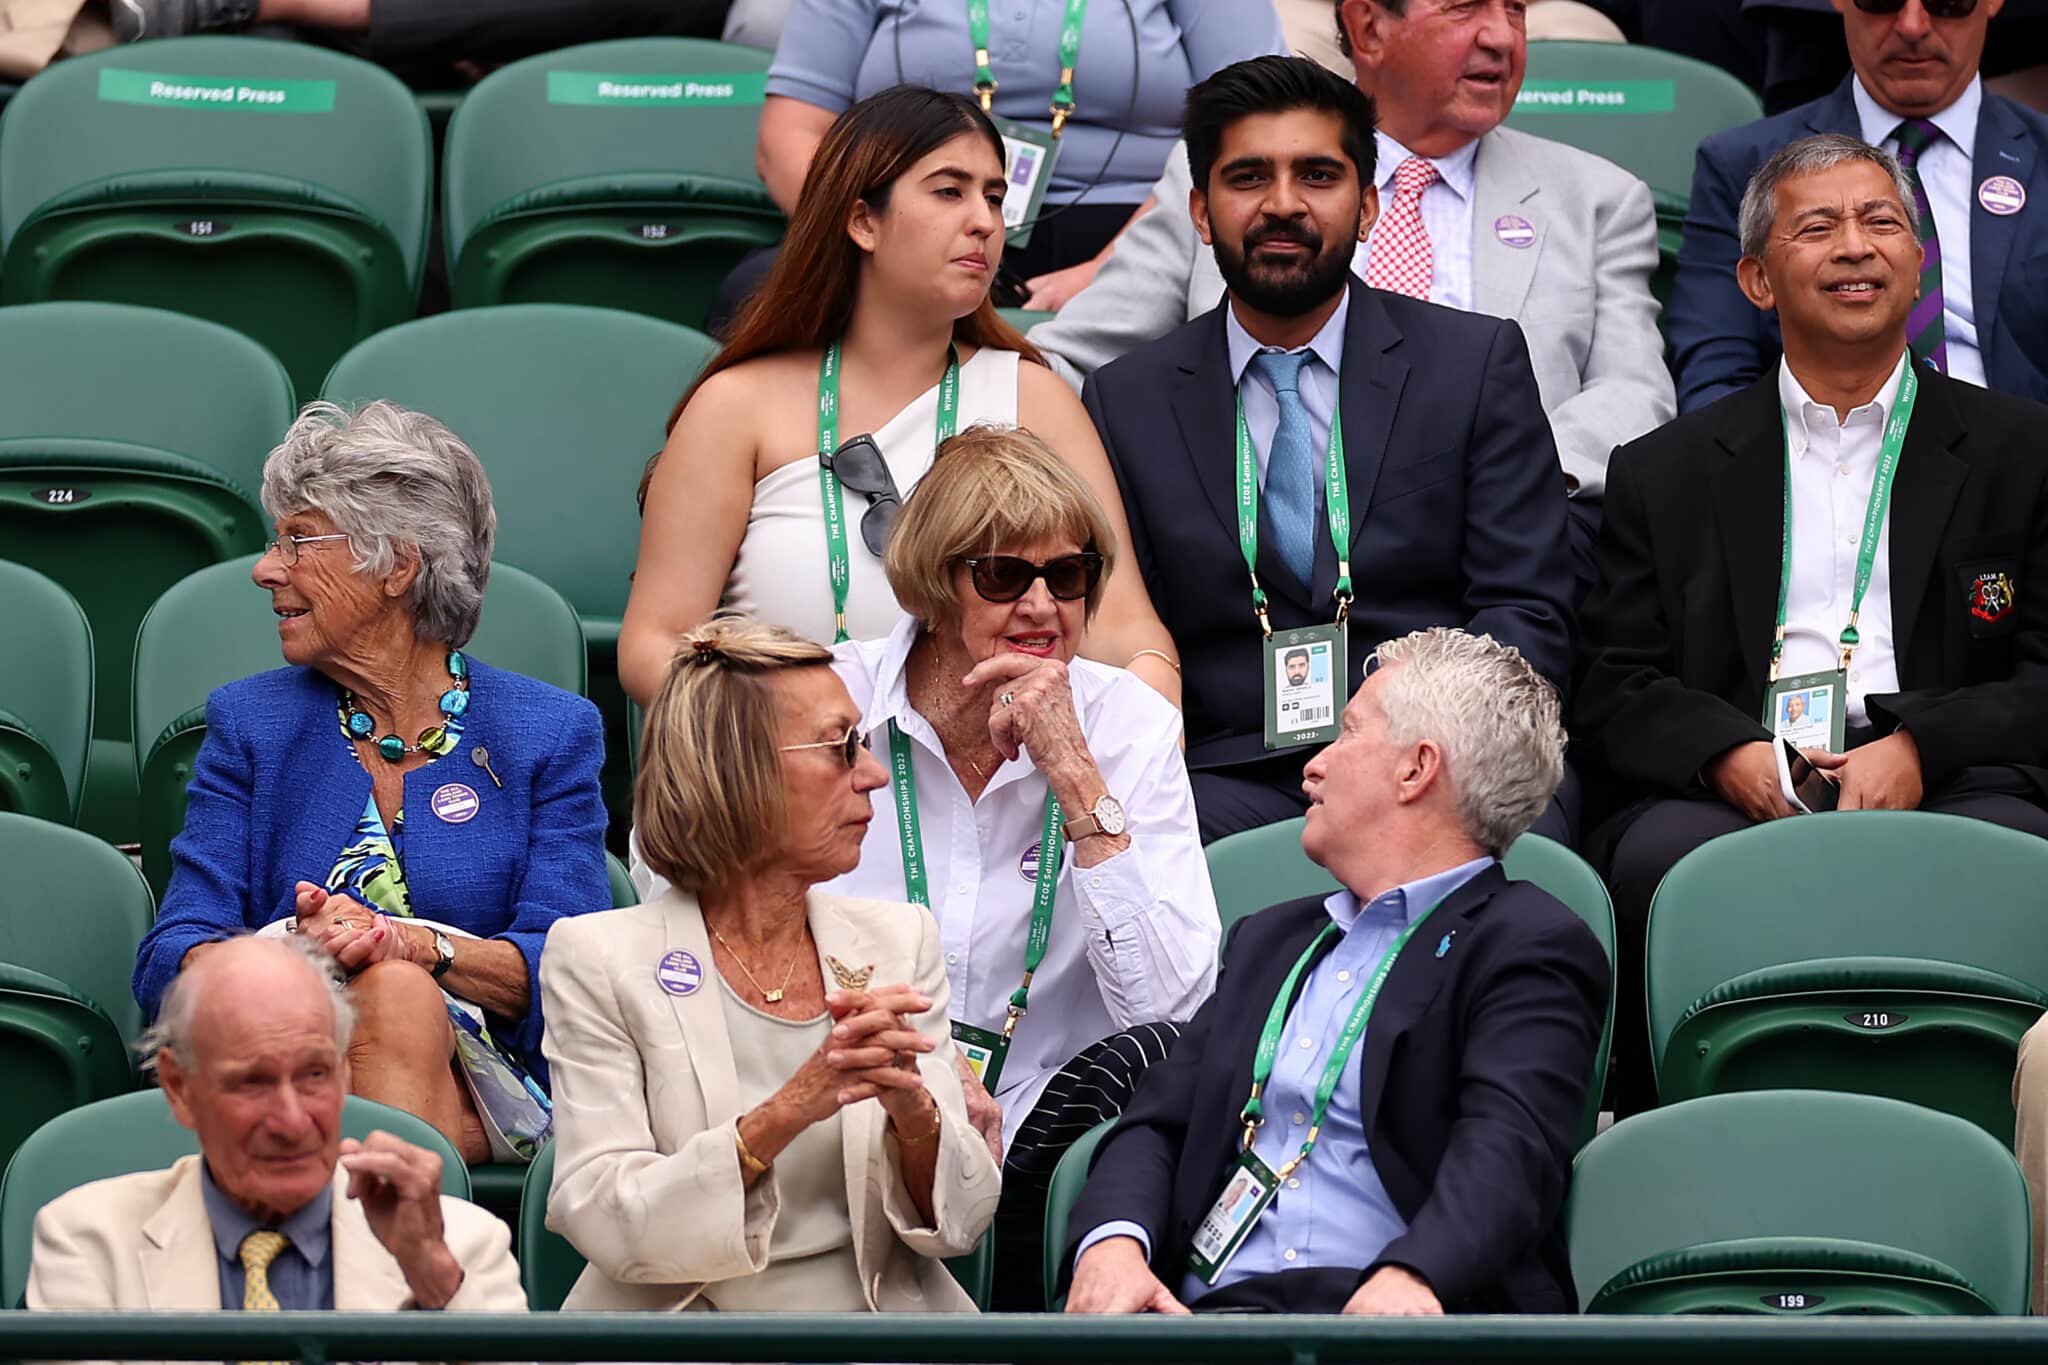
point(276, 793)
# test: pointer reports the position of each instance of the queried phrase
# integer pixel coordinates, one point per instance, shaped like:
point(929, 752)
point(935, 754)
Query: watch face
point(1110, 813)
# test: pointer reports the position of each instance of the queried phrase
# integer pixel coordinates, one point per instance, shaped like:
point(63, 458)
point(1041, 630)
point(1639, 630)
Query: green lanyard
point(917, 887)
point(1070, 53)
point(1333, 1070)
point(1873, 519)
point(1335, 493)
point(828, 442)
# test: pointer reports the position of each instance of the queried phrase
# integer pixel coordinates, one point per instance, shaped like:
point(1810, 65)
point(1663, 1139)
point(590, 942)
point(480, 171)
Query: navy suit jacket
point(276, 793)
point(1457, 503)
point(1721, 342)
point(1472, 1076)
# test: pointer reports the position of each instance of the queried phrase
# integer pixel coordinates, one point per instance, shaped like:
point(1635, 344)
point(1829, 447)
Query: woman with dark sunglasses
point(872, 341)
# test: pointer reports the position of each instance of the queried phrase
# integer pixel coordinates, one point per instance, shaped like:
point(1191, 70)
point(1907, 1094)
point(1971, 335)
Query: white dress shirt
point(1946, 169)
point(1317, 384)
point(1133, 938)
point(1834, 465)
point(1446, 217)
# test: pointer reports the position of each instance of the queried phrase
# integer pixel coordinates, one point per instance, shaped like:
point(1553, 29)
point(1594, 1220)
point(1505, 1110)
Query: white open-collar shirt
point(1134, 937)
point(1834, 466)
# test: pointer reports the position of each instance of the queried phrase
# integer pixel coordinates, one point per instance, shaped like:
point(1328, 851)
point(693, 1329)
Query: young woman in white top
point(885, 275)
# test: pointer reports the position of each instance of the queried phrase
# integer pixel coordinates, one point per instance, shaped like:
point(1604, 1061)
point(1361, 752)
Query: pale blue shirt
point(1446, 217)
point(1334, 1210)
point(1317, 383)
point(302, 1276)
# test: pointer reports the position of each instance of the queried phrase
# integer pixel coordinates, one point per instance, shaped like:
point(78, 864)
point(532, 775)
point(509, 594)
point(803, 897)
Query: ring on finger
point(1008, 699)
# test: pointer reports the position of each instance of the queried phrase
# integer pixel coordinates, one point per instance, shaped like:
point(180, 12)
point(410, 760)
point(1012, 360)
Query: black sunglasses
point(1939, 9)
point(1005, 578)
point(859, 465)
point(849, 746)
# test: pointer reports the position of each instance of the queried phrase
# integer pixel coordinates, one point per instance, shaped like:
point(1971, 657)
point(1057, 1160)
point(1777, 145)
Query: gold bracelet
point(750, 1163)
point(917, 1139)
point(1160, 654)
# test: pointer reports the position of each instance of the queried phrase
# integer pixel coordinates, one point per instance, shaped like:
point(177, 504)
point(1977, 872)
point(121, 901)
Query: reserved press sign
point(643, 90)
point(121, 86)
point(1597, 97)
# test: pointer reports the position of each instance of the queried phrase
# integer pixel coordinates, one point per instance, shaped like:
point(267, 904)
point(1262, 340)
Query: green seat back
point(58, 1050)
point(76, 911)
point(1067, 1179)
point(1893, 952)
point(296, 210)
point(621, 881)
point(46, 689)
point(119, 489)
point(1642, 108)
point(516, 383)
point(1255, 868)
point(1024, 319)
point(1798, 1201)
point(619, 174)
point(216, 627)
point(137, 1133)
point(548, 1264)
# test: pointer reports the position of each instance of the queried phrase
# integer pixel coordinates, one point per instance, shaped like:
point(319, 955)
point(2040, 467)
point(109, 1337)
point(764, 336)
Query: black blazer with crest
point(1679, 623)
point(1472, 1076)
point(1457, 502)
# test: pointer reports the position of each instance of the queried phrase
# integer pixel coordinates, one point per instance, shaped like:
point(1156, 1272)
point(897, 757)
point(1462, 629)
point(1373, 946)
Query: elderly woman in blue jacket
point(420, 815)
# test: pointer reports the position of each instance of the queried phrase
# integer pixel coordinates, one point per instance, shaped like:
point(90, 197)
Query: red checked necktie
point(1401, 261)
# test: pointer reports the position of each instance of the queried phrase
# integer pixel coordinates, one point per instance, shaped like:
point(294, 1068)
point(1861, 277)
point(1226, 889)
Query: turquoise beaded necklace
point(435, 739)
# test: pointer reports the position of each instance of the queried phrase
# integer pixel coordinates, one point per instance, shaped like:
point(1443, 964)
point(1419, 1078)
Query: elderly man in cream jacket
point(278, 1211)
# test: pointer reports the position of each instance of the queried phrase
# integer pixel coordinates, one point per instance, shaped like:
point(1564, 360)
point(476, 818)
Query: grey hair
point(1496, 719)
point(399, 484)
point(1810, 156)
point(172, 1030)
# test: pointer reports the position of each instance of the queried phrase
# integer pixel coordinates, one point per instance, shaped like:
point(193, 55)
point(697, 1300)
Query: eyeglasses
point(1939, 9)
point(859, 465)
point(287, 547)
point(1005, 578)
point(849, 746)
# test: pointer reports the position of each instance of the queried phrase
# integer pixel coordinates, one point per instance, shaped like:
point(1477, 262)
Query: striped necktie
point(1925, 333)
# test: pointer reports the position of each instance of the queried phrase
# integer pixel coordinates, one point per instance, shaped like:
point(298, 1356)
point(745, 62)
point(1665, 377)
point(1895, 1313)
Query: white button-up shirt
point(1834, 465)
point(1133, 938)
point(1446, 217)
point(1946, 169)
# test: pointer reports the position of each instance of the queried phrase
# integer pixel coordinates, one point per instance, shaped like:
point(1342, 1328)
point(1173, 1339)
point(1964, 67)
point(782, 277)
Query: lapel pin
point(1443, 945)
point(482, 758)
point(846, 976)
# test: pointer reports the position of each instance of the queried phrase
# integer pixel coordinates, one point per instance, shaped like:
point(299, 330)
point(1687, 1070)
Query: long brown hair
point(807, 300)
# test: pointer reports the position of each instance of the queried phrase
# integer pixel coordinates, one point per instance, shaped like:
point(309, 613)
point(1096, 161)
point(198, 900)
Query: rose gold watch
point(1106, 816)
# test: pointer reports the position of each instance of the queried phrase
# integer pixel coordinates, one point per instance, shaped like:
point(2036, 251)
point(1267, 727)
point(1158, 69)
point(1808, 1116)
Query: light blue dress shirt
point(1318, 385)
point(302, 1276)
point(1334, 1210)
point(1127, 98)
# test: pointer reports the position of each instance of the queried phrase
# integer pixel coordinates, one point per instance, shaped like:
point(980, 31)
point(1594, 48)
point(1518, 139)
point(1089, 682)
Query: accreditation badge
point(1303, 699)
point(984, 1051)
point(1808, 710)
point(1247, 1191)
point(1029, 154)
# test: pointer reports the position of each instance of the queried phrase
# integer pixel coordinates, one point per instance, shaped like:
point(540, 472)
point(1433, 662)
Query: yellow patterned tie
point(258, 1250)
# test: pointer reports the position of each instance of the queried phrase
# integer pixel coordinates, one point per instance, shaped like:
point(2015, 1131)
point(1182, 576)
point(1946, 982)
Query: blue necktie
point(1290, 467)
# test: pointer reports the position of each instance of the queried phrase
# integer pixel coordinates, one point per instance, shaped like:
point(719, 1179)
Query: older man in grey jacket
point(1472, 216)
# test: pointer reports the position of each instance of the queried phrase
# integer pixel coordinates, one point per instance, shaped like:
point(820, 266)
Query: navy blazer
point(1721, 342)
point(1457, 503)
point(276, 793)
point(1473, 1077)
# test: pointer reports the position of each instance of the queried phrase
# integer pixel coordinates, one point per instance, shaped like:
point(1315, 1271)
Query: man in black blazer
point(1946, 696)
point(1456, 501)
point(1437, 1177)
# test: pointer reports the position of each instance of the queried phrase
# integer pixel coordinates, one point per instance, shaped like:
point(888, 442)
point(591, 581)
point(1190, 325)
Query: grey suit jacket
point(1581, 292)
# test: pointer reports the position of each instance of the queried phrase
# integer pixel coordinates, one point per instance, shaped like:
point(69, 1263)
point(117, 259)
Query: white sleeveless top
point(780, 574)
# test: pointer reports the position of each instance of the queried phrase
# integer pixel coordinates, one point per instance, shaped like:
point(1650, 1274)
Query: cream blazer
point(647, 1173)
point(143, 1241)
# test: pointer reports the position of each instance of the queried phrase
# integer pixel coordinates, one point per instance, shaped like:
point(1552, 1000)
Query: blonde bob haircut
point(989, 489)
point(709, 804)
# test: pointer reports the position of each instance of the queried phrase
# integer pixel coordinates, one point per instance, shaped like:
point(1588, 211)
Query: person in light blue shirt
point(1400, 1069)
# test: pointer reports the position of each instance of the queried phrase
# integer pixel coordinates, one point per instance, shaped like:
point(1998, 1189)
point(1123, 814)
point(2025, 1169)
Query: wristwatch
point(444, 955)
point(1106, 816)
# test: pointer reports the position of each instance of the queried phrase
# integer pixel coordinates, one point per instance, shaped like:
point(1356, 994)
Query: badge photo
point(1806, 711)
point(1302, 685)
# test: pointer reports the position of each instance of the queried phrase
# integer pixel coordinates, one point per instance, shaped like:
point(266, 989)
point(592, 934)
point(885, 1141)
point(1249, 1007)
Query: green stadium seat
point(131, 453)
point(46, 681)
point(1894, 953)
point(1798, 1203)
point(1255, 868)
point(137, 1133)
point(215, 628)
point(279, 188)
point(619, 174)
point(1067, 1179)
point(1024, 319)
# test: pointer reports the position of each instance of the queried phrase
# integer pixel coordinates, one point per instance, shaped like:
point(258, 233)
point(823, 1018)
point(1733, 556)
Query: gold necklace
point(773, 997)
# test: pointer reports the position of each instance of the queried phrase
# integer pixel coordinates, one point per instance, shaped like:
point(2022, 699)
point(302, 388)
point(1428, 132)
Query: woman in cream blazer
point(756, 1100)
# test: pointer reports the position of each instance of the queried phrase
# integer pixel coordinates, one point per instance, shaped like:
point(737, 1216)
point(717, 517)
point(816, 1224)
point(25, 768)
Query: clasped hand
point(1881, 775)
point(351, 933)
point(871, 1052)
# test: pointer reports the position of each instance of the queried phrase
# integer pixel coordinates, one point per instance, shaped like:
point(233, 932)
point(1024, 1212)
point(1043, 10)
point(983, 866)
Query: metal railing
point(318, 1338)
